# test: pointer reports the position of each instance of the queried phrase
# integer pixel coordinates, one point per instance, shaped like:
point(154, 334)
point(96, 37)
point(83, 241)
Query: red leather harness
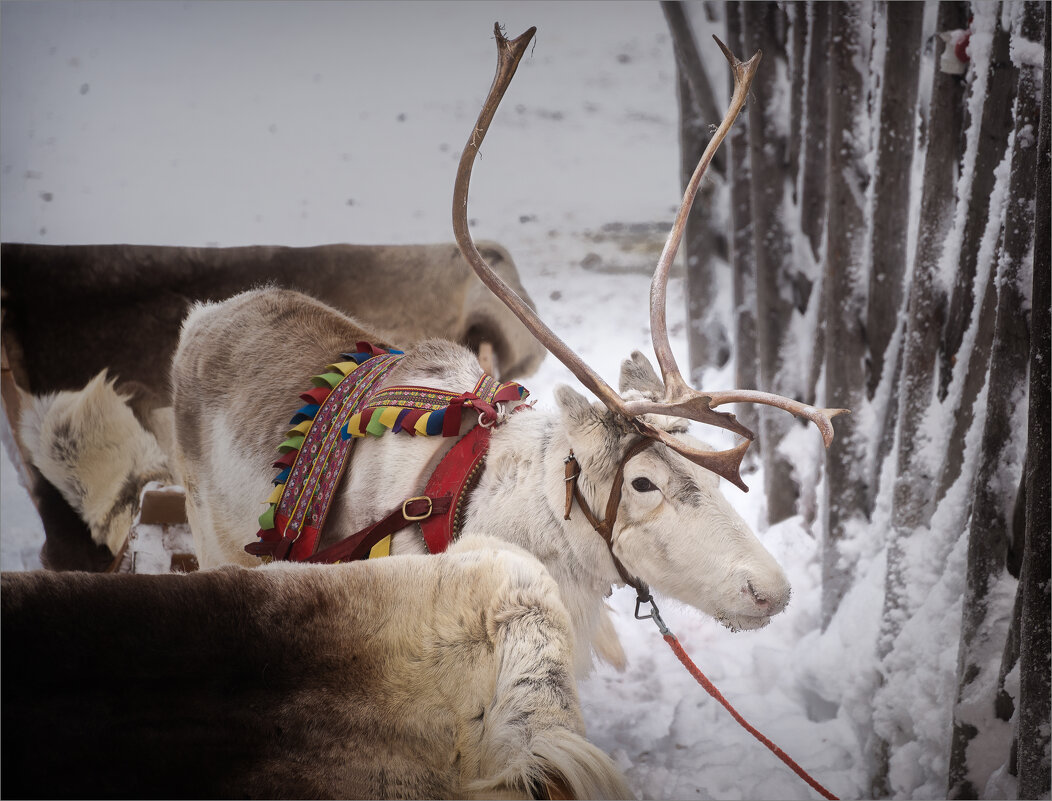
point(439, 510)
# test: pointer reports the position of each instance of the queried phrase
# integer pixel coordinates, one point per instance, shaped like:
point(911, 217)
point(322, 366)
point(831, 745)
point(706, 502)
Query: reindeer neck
point(521, 499)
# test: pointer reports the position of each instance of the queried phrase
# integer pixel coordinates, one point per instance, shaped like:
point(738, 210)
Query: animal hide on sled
point(444, 676)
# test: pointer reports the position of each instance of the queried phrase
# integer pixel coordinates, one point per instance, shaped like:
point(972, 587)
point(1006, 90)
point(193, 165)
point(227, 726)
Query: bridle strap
point(605, 527)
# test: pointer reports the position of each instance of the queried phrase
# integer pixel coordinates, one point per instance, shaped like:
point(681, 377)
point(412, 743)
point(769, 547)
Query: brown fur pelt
point(90, 307)
point(406, 677)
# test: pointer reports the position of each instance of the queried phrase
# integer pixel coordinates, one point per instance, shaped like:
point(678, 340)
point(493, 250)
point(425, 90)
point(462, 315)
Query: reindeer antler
point(675, 386)
point(678, 394)
point(680, 400)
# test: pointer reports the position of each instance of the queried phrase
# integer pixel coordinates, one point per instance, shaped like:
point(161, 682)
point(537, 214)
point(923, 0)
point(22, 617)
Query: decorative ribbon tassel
point(266, 520)
point(329, 380)
point(316, 395)
point(293, 443)
point(343, 368)
point(304, 413)
point(286, 459)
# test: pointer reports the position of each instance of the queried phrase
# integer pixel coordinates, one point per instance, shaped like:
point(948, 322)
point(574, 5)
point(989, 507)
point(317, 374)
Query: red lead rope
point(710, 688)
point(643, 596)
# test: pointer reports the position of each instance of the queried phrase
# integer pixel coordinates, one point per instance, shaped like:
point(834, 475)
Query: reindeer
point(665, 524)
point(326, 683)
point(673, 528)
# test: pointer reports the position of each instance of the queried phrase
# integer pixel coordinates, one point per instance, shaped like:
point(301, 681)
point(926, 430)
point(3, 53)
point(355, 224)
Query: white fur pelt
point(674, 529)
point(90, 445)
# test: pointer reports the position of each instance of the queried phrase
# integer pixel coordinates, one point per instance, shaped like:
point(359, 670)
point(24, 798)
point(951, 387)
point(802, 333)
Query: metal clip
point(654, 615)
point(571, 459)
point(427, 514)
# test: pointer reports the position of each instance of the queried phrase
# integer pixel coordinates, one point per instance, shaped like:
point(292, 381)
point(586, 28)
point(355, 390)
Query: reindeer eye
point(643, 485)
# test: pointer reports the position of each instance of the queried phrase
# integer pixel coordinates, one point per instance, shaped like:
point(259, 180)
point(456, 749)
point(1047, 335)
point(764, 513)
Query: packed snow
point(200, 123)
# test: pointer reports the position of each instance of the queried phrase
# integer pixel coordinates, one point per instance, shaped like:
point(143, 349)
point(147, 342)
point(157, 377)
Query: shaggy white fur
point(90, 445)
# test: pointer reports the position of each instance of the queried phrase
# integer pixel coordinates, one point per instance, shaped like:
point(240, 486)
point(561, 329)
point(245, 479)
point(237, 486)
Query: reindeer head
point(672, 524)
point(647, 400)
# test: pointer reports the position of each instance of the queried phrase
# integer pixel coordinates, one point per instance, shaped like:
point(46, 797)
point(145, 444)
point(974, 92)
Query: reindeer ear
point(638, 373)
point(577, 410)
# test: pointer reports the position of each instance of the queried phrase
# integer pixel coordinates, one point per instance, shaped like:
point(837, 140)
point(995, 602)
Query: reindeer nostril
point(757, 598)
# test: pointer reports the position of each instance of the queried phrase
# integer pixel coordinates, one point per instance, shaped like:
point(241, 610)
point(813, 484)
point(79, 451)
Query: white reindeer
point(240, 363)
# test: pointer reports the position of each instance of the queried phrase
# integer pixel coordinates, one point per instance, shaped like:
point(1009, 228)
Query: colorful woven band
point(314, 454)
point(431, 412)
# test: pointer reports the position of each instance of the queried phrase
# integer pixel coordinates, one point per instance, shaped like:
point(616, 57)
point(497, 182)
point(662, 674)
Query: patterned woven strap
point(431, 412)
point(314, 454)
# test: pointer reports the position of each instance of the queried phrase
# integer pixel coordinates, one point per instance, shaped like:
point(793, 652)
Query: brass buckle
point(411, 518)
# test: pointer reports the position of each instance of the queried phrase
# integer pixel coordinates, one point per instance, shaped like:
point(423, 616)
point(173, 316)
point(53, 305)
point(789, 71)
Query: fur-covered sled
point(447, 676)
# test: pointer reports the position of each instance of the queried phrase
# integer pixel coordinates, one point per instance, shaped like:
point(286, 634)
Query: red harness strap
point(317, 450)
point(455, 476)
point(438, 510)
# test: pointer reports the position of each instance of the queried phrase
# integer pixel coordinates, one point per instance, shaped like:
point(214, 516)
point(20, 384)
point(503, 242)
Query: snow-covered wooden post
point(705, 242)
point(1035, 672)
point(846, 500)
point(891, 178)
point(815, 139)
point(963, 359)
point(813, 186)
point(984, 620)
point(914, 468)
point(743, 262)
point(890, 226)
point(915, 471)
point(1026, 649)
point(764, 29)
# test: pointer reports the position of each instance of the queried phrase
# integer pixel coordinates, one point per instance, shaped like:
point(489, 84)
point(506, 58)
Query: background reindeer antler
point(681, 400)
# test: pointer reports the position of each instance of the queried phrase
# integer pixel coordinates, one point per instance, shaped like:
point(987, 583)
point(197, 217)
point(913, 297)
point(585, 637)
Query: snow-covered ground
point(202, 123)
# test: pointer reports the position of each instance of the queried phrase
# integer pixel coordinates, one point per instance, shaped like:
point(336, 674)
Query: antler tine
point(700, 406)
point(726, 464)
point(509, 53)
point(822, 418)
point(675, 387)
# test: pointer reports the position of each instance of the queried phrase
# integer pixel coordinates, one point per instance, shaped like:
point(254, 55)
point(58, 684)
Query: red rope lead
point(710, 688)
